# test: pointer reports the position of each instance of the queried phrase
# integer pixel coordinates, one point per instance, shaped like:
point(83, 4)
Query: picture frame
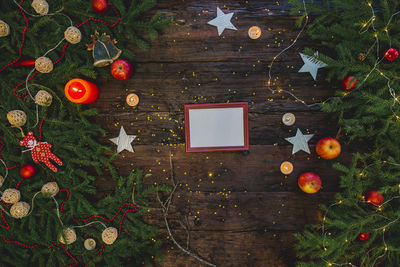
point(216, 127)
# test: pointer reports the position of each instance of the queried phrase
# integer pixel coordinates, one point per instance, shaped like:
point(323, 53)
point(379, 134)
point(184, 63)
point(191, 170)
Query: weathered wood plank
point(233, 248)
point(160, 128)
point(192, 39)
point(168, 86)
point(242, 211)
point(256, 171)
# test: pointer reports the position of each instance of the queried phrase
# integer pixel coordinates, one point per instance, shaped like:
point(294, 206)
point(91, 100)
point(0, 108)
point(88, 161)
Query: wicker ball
point(11, 196)
point(1, 180)
point(43, 98)
point(40, 6)
point(4, 29)
point(89, 244)
point(19, 210)
point(69, 235)
point(16, 118)
point(73, 35)
point(50, 189)
point(109, 235)
point(43, 64)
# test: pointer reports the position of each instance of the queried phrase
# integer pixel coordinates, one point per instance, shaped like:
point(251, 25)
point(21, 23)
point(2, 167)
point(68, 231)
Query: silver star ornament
point(311, 64)
point(300, 141)
point(123, 141)
point(222, 21)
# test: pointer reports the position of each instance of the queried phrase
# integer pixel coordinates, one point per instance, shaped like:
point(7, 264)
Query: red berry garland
point(391, 54)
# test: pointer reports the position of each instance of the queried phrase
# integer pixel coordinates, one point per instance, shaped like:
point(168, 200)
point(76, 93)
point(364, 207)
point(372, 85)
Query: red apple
point(374, 198)
point(99, 6)
point(121, 69)
point(309, 182)
point(328, 148)
point(27, 171)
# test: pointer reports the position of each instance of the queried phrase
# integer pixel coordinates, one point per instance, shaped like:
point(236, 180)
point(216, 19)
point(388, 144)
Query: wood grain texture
point(249, 211)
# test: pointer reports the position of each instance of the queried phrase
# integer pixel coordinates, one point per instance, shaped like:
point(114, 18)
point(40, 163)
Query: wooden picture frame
point(217, 127)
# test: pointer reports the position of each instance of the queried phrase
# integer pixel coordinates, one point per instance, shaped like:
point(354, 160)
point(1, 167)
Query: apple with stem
point(309, 182)
point(121, 69)
point(328, 148)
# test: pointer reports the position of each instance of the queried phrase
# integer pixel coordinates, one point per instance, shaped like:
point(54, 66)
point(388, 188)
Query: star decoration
point(222, 21)
point(300, 141)
point(123, 141)
point(311, 64)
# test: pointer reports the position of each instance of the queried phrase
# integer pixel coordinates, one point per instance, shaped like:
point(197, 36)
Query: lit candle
point(81, 91)
point(286, 167)
point(254, 32)
point(288, 119)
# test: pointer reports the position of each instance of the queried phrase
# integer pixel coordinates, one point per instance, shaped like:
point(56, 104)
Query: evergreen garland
point(368, 115)
point(69, 128)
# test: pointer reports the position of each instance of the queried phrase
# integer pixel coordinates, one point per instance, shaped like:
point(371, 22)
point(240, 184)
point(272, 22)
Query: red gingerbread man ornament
point(40, 151)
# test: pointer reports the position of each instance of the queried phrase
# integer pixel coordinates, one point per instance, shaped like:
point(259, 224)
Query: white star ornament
point(311, 64)
point(123, 141)
point(222, 21)
point(300, 142)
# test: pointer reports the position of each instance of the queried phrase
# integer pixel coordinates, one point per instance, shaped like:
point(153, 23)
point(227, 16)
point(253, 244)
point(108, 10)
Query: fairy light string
point(27, 96)
point(378, 209)
point(364, 29)
point(22, 40)
point(273, 91)
point(382, 229)
point(132, 208)
point(33, 72)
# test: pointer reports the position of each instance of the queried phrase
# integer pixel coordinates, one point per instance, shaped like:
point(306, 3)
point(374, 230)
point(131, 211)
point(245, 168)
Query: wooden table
point(248, 210)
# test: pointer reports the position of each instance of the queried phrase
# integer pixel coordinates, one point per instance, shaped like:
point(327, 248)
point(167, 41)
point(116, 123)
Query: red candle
point(81, 91)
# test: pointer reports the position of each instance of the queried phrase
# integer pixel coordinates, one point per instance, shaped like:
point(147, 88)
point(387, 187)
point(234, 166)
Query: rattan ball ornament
point(43, 64)
point(1, 180)
point(4, 29)
point(50, 189)
point(40, 6)
point(109, 235)
point(73, 35)
point(89, 244)
point(43, 98)
point(69, 234)
point(19, 210)
point(16, 118)
point(11, 196)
